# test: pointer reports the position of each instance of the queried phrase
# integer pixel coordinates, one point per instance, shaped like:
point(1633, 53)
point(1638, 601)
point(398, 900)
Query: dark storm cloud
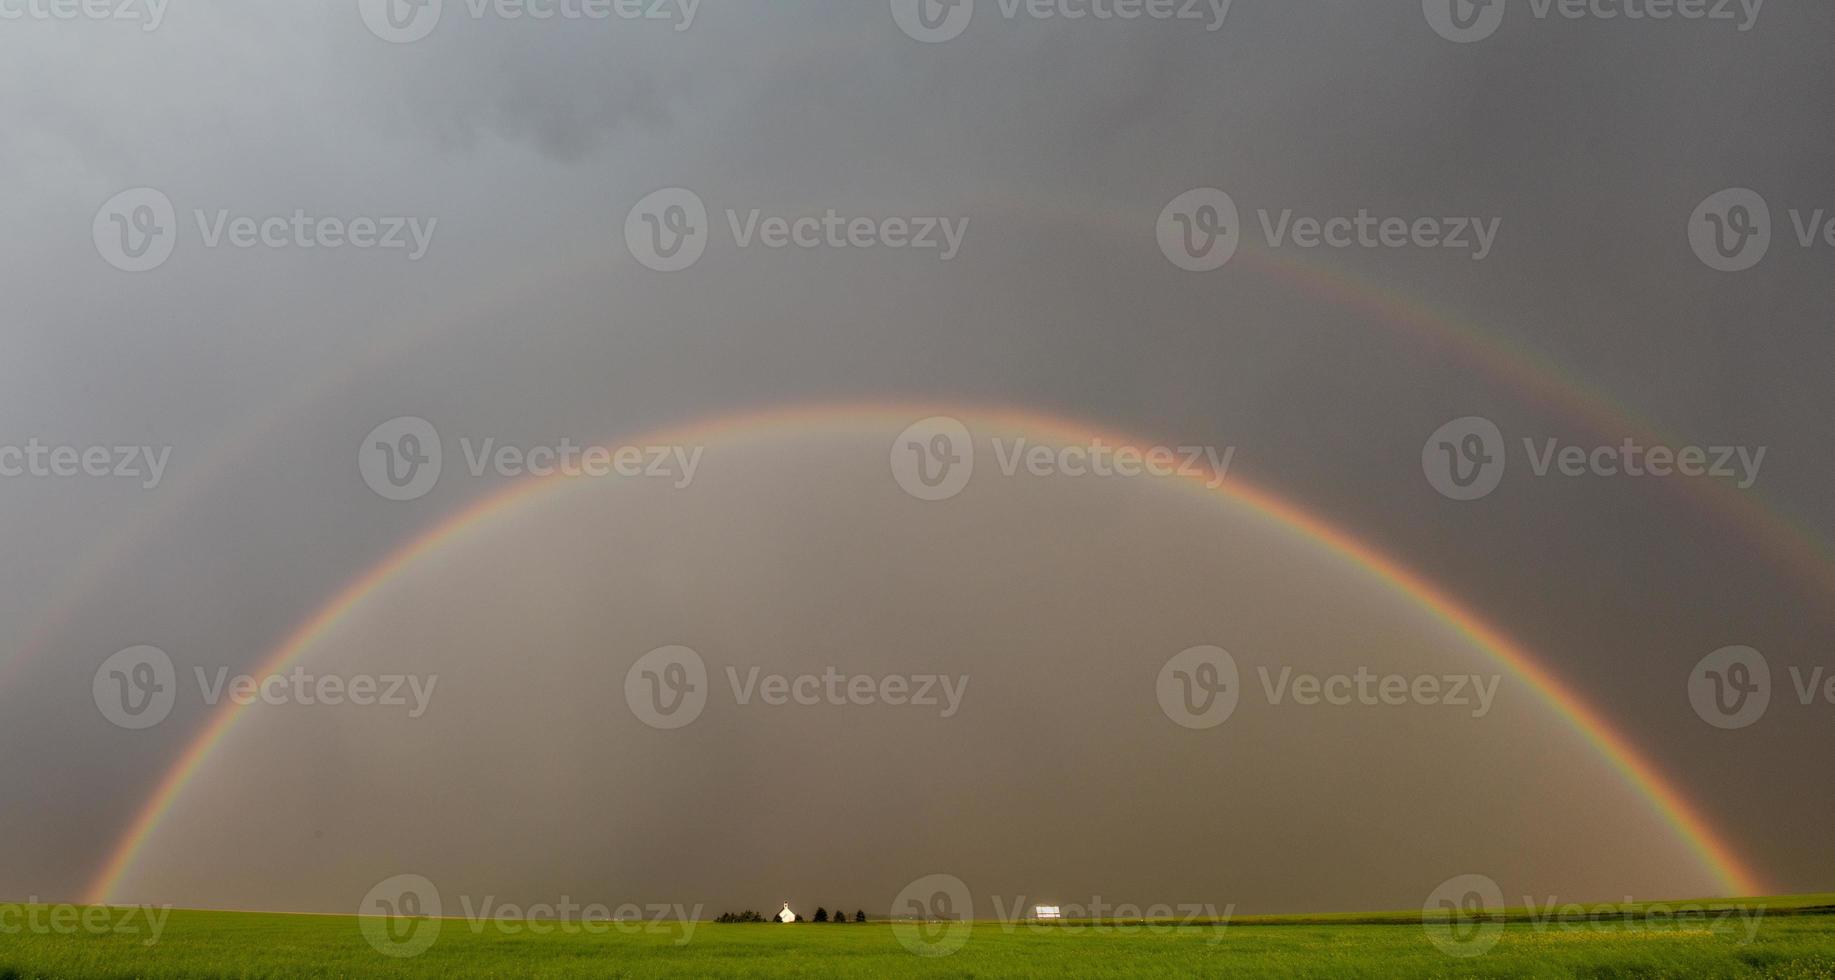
point(1060, 141)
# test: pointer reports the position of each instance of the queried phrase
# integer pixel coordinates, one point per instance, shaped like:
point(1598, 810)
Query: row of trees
point(821, 916)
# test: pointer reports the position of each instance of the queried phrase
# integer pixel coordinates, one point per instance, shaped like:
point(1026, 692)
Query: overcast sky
point(519, 148)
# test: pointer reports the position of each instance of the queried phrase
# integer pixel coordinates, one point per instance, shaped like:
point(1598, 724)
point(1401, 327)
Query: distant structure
point(786, 915)
point(1047, 912)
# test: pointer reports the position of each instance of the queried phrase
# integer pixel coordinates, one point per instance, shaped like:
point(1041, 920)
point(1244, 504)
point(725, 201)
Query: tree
point(860, 915)
point(821, 914)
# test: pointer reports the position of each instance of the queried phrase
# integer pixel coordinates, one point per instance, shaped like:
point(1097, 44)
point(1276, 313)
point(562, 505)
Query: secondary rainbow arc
point(1542, 381)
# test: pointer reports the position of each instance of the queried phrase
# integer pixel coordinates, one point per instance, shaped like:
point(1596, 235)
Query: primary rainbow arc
point(1715, 853)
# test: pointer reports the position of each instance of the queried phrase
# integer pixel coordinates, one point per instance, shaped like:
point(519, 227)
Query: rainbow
point(1785, 540)
point(1716, 855)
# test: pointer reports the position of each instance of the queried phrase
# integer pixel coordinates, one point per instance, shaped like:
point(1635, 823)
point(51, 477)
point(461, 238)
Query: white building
point(1047, 912)
point(786, 915)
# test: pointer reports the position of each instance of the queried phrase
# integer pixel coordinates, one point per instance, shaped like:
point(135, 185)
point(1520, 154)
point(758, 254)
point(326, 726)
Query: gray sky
point(529, 320)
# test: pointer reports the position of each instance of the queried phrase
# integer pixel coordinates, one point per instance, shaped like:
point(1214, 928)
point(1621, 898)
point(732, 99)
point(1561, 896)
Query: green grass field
point(1773, 937)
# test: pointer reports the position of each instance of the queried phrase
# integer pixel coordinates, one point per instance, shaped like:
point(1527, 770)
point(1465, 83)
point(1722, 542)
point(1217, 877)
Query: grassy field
point(1772, 937)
